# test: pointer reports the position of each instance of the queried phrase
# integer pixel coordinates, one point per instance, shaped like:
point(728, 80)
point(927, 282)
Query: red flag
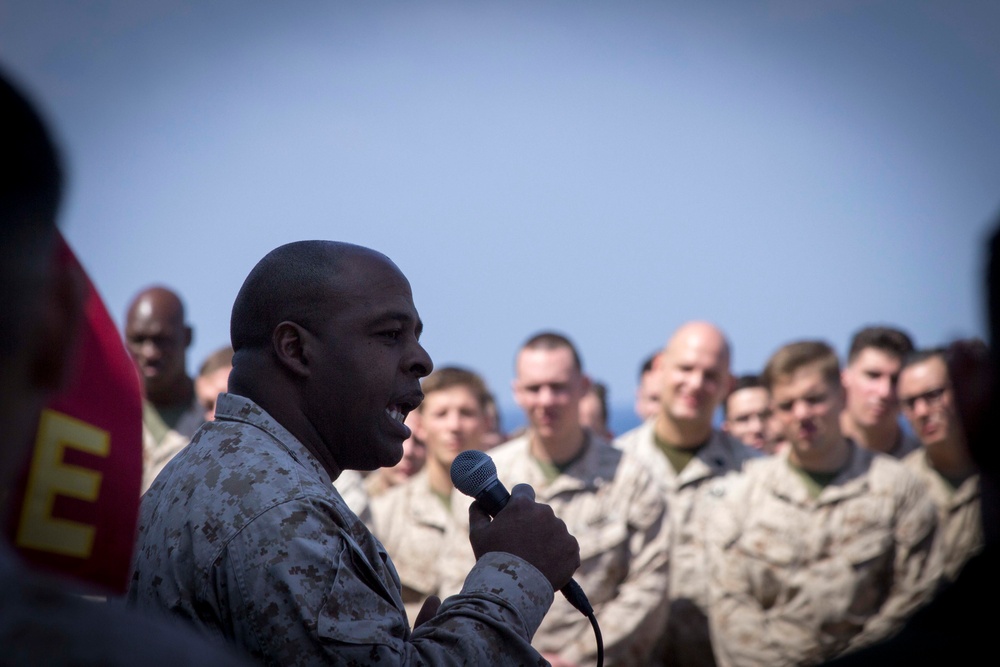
point(76, 508)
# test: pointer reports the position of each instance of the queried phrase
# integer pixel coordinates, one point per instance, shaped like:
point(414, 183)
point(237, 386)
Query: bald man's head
point(157, 337)
point(695, 375)
point(327, 342)
point(293, 282)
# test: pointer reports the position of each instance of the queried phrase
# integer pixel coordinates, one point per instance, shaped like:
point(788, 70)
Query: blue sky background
point(787, 169)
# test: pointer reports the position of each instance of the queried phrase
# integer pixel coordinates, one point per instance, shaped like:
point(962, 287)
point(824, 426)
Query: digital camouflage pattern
point(244, 535)
point(959, 534)
point(693, 498)
point(798, 580)
point(614, 508)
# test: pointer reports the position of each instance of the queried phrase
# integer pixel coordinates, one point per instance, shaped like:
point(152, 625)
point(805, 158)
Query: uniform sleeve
point(913, 577)
point(304, 591)
point(634, 619)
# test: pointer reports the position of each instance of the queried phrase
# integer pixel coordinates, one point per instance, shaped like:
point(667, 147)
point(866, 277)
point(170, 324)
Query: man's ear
point(515, 390)
point(188, 336)
point(60, 314)
point(290, 341)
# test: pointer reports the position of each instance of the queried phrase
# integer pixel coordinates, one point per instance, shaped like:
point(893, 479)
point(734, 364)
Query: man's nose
point(419, 362)
point(883, 386)
point(546, 396)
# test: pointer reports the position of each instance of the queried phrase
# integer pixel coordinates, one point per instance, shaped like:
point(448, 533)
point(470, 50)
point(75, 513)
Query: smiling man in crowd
point(691, 461)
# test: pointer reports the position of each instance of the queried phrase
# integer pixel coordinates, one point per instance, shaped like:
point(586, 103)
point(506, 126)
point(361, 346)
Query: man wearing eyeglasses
point(944, 462)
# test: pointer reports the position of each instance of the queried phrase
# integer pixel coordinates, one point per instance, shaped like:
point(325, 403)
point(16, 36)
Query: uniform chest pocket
point(350, 613)
point(866, 531)
point(771, 543)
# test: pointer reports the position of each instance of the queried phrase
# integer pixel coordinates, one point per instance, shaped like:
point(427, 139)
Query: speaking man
point(244, 535)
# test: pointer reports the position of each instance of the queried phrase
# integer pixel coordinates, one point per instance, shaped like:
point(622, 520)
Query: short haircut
point(221, 358)
point(647, 364)
point(887, 339)
point(749, 381)
point(922, 355)
point(550, 340)
point(790, 358)
point(455, 376)
point(293, 282)
point(30, 191)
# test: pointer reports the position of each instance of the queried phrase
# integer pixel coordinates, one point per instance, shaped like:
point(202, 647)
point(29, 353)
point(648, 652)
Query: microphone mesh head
point(471, 471)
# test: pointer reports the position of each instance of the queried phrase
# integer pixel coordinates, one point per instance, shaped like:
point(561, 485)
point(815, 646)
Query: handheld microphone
point(474, 474)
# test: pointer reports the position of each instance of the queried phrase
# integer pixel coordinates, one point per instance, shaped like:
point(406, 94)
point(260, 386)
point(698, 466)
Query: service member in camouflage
point(244, 535)
point(692, 462)
point(609, 500)
point(944, 463)
point(822, 549)
point(871, 411)
point(157, 337)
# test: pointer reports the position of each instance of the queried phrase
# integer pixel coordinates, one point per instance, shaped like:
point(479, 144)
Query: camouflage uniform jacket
point(613, 507)
point(244, 535)
point(156, 454)
point(797, 580)
point(693, 499)
point(351, 487)
point(960, 530)
point(414, 526)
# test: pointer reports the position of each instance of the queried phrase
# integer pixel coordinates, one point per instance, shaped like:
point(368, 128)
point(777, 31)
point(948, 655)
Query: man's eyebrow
point(402, 317)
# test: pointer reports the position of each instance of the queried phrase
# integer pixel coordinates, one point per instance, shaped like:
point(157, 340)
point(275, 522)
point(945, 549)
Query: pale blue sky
point(787, 169)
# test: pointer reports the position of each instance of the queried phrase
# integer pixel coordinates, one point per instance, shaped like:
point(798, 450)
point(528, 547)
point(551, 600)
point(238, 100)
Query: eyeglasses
point(933, 397)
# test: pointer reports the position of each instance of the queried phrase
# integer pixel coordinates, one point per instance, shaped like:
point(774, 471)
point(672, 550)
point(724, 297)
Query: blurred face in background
point(414, 454)
point(208, 387)
point(870, 381)
point(807, 406)
point(748, 417)
point(549, 388)
point(694, 372)
point(452, 420)
point(647, 395)
point(928, 403)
